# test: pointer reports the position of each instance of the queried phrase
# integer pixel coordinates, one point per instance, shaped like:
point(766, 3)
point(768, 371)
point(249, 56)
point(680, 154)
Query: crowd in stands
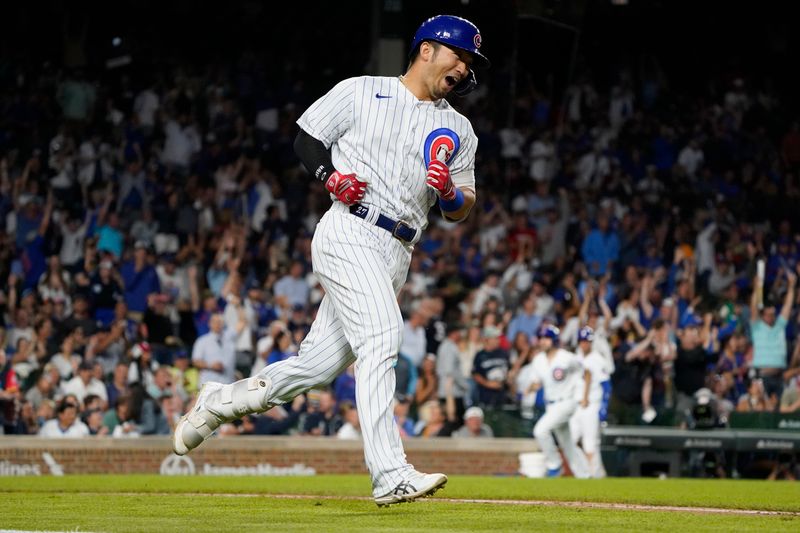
point(155, 234)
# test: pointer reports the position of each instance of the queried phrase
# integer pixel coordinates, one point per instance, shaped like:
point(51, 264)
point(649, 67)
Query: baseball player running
point(584, 425)
point(387, 149)
point(560, 373)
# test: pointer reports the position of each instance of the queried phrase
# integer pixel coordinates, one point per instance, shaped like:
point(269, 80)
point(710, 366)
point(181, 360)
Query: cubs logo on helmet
point(559, 374)
point(549, 332)
point(441, 144)
point(586, 334)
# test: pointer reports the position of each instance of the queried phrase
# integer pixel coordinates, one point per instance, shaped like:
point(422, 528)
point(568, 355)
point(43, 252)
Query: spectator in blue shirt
point(281, 349)
point(344, 387)
point(210, 306)
point(784, 256)
point(110, 238)
point(402, 403)
point(526, 320)
point(140, 279)
point(293, 288)
point(600, 249)
point(768, 330)
point(28, 218)
point(34, 260)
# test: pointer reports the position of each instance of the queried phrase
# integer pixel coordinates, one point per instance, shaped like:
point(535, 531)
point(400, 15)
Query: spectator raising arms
point(768, 329)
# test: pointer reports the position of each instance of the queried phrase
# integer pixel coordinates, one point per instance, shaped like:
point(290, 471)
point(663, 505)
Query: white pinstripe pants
point(556, 420)
point(361, 267)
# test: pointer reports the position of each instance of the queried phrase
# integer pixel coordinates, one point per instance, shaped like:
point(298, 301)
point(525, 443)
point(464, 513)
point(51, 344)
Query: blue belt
point(558, 400)
point(399, 229)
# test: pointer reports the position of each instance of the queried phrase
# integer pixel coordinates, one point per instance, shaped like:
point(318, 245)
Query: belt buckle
point(397, 226)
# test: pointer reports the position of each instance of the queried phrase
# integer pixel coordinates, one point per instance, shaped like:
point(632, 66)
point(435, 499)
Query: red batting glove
point(345, 187)
point(439, 180)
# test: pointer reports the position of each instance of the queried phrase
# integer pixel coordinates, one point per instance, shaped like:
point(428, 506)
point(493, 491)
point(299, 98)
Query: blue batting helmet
point(452, 31)
point(549, 332)
point(586, 334)
point(456, 32)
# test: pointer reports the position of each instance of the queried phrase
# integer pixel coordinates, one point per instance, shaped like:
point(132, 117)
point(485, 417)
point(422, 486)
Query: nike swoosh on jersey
point(379, 95)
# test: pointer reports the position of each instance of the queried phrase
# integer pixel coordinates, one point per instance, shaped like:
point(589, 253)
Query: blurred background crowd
point(155, 230)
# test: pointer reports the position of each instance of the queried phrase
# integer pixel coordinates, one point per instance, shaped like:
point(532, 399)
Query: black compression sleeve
point(315, 157)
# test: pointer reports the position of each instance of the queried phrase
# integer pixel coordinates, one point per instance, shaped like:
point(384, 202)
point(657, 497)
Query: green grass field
point(153, 503)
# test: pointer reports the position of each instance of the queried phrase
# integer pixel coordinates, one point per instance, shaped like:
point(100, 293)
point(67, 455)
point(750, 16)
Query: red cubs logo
point(442, 148)
point(559, 374)
point(441, 144)
point(477, 40)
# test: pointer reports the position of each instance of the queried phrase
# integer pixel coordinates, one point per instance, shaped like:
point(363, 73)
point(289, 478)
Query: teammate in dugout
point(560, 373)
point(387, 149)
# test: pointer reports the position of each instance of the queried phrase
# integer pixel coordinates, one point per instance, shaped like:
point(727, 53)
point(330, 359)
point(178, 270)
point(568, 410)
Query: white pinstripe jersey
point(596, 365)
point(376, 128)
point(559, 376)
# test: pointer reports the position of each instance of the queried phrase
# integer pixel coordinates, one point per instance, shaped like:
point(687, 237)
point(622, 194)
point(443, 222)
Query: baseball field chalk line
point(533, 503)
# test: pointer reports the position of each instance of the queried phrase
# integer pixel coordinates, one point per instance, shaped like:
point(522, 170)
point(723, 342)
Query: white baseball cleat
point(418, 486)
point(198, 424)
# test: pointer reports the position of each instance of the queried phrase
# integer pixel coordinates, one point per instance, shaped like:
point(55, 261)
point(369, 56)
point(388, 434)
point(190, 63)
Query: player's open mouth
point(451, 81)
